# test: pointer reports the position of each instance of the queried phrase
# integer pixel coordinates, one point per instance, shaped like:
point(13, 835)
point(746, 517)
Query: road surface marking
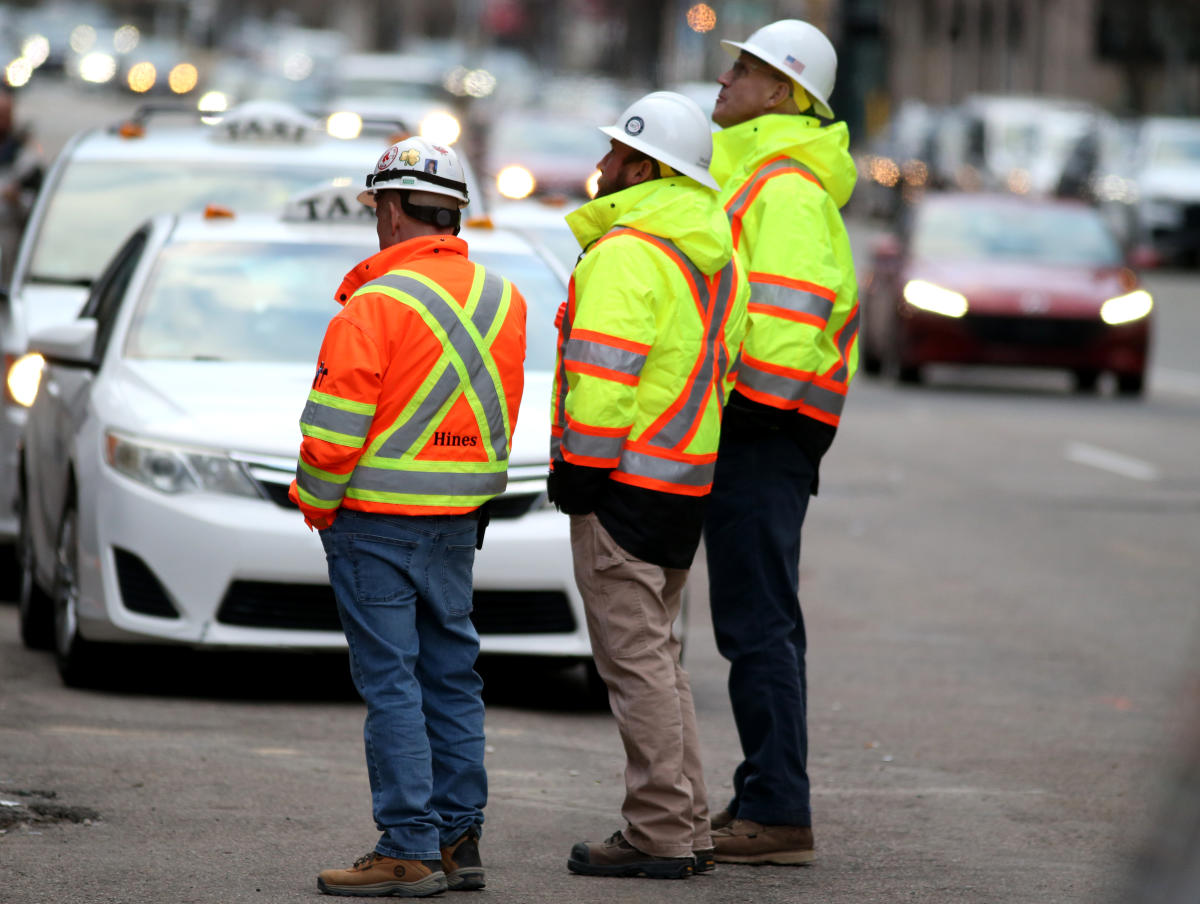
point(1114, 462)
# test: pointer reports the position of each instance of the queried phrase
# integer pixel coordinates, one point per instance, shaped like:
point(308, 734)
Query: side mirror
point(1143, 257)
point(69, 343)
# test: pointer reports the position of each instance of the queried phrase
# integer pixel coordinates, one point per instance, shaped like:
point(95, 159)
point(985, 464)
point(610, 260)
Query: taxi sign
point(331, 203)
point(264, 121)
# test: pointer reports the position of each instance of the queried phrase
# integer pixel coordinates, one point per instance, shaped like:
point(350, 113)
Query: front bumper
point(208, 570)
point(1023, 341)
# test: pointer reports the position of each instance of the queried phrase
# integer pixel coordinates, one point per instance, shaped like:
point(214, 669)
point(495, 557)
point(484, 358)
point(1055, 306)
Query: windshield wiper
point(83, 282)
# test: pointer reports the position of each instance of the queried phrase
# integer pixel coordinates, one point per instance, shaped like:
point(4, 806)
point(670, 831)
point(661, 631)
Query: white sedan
point(157, 455)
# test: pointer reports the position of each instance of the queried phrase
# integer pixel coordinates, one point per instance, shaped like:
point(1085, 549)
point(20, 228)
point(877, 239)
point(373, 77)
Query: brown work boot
point(461, 863)
point(720, 819)
point(374, 876)
point(746, 841)
point(617, 857)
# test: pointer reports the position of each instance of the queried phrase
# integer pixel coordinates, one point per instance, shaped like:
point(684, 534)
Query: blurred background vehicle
point(167, 420)
point(1005, 280)
point(534, 154)
point(406, 88)
point(106, 181)
point(1166, 180)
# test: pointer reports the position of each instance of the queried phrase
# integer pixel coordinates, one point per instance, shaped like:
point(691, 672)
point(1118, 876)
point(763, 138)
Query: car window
point(1016, 233)
point(220, 301)
point(105, 300)
point(113, 197)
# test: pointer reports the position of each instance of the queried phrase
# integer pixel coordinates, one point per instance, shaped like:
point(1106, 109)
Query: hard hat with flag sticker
point(416, 164)
point(799, 51)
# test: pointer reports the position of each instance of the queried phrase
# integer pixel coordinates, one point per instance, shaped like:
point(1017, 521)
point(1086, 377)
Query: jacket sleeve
point(336, 418)
point(802, 276)
point(612, 329)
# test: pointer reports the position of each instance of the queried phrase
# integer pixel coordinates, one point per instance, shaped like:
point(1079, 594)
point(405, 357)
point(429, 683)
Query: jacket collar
point(396, 257)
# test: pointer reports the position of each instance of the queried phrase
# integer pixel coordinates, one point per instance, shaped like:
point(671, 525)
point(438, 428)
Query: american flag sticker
point(794, 64)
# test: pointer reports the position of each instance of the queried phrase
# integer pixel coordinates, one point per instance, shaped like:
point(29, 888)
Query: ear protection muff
point(435, 216)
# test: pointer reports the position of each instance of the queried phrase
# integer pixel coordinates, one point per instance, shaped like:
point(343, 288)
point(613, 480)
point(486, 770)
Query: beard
point(623, 181)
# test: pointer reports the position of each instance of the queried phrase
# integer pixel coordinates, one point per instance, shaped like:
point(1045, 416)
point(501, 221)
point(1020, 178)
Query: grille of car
point(311, 607)
point(1033, 330)
point(140, 590)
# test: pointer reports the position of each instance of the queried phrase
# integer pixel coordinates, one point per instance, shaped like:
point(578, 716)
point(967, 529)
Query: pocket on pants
point(457, 585)
point(621, 614)
point(379, 563)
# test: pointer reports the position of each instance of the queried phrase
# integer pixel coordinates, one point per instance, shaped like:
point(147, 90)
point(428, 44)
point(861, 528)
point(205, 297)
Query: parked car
point(157, 456)
point(106, 181)
point(1005, 280)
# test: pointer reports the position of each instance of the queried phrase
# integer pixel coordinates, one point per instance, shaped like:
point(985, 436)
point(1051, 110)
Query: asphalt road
point(1000, 584)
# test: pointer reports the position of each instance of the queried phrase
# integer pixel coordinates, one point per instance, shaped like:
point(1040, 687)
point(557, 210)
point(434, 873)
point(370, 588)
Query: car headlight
point(440, 128)
point(176, 469)
point(935, 299)
point(515, 182)
point(1126, 308)
point(23, 378)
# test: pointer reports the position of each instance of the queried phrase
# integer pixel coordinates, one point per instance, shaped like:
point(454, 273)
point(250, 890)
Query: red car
point(1005, 280)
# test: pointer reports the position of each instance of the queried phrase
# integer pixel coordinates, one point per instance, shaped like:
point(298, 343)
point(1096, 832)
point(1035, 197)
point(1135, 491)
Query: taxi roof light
point(218, 212)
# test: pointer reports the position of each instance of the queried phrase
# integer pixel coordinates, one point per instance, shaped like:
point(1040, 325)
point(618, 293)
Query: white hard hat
point(417, 165)
point(671, 128)
point(798, 50)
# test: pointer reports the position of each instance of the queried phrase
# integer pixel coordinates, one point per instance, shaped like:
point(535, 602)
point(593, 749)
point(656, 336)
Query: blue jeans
point(403, 588)
point(752, 543)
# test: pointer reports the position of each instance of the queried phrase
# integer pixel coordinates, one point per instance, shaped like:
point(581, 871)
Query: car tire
point(1087, 381)
point(35, 604)
point(595, 695)
point(909, 374)
point(1131, 384)
point(871, 363)
point(77, 658)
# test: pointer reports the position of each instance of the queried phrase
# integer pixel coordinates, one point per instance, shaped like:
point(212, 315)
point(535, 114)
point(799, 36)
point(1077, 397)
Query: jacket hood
point(676, 208)
point(739, 150)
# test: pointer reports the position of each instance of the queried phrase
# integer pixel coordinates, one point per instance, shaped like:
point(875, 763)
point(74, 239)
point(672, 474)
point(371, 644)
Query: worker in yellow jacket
point(784, 176)
point(655, 314)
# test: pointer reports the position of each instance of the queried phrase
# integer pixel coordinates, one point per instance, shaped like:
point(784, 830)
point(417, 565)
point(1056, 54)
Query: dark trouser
point(752, 540)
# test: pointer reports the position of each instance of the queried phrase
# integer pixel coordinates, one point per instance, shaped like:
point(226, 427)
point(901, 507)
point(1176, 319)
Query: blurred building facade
point(1129, 56)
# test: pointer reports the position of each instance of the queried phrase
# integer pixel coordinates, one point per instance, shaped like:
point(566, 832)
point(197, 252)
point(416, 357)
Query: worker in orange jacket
point(407, 432)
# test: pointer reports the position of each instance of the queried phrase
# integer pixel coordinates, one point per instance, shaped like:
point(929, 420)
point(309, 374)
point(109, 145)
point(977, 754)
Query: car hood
point(254, 408)
point(1005, 286)
point(1176, 183)
point(40, 306)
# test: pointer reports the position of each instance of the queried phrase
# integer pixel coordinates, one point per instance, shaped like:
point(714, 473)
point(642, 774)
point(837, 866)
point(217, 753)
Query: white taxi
point(157, 455)
point(106, 181)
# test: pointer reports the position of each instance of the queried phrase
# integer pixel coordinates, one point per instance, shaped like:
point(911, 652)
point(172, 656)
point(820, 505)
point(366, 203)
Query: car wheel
point(1086, 380)
point(1131, 384)
point(909, 374)
point(76, 656)
point(36, 606)
point(595, 690)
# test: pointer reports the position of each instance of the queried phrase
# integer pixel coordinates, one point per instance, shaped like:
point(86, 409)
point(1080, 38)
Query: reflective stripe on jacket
point(417, 389)
point(785, 178)
point(649, 337)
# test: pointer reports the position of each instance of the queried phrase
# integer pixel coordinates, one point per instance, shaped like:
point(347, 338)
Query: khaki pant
point(631, 606)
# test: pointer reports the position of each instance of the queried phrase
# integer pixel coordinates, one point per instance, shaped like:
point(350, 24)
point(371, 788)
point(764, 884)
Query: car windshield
point(548, 137)
point(271, 301)
point(99, 203)
point(1015, 233)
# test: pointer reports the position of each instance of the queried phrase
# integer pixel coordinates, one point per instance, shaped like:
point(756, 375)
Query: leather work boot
point(617, 857)
point(375, 876)
point(746, 841)
point(706, 860)
point(720, 819)
point(461, 863)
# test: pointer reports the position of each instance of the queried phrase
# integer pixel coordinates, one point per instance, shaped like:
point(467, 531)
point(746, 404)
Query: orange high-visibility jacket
point(417, 388)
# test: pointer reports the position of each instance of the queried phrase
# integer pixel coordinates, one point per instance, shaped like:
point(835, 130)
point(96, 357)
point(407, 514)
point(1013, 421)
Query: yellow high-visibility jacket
point(655, 315)
point(783, 180)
